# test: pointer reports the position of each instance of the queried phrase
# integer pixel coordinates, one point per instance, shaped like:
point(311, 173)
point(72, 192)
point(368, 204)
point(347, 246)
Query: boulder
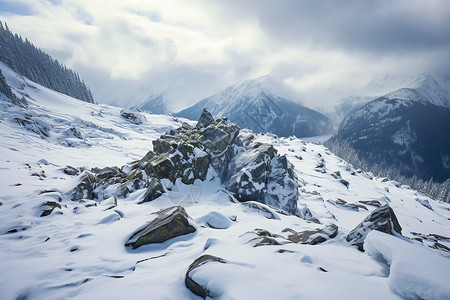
point(169, 223)
point(155, 189)
point(313, 237)
point(249, 181)
point(133, 115)
point(200, 289)
point(382, 219)
point(85, 189)
point(69, 170)
point(282, 187)
point(48, 207)
point(205, 119)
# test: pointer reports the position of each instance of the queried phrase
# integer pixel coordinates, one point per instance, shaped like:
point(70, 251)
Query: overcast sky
point(323, 50)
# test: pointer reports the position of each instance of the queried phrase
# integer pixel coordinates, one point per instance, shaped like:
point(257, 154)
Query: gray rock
point(345, 205)
point(191, 284)
point(382, 219)
point(69, 170)
point(205, 119)
point(282, 186)
point(133, 115)
point(48, 207)
point(313, 237)
point(155, 189)
point(85, 189)
point(169, 223)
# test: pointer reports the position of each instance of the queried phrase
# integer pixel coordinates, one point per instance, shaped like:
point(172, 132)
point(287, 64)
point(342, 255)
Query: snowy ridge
point(76, 251)
point(424, 88)
point(262, 106)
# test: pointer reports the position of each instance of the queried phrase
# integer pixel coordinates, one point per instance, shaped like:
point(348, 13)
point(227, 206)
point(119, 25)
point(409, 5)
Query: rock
point(249, 181)
point(71, 171)
point(205, 119)
point(382, 219)
point(263, 209)
point(313, 237)
point(85, 189)
point(350, 206)
point(336, 175)
point(344, 182)
point(133, 115)
point(48, 207)
point(169, 223)
point(155, 189)
point(375, 203)
point(198, 288)
point(282, 186)
point(215, 220)
point(424, 202)
point(265, 238)
point(107, 173)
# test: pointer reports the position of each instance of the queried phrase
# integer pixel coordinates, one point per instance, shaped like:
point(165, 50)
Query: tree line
point(437, 190)
point(28, 60)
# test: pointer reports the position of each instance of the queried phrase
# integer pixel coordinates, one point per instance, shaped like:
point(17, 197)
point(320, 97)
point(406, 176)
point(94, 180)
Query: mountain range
point(97, 205)
point(405, 131)
point(262, 106)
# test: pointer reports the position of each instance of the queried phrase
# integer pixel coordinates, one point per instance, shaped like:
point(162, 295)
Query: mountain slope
point(403, 131)
point(156, 104)
point(23, 57)
point(261, 106)
point(55, 247)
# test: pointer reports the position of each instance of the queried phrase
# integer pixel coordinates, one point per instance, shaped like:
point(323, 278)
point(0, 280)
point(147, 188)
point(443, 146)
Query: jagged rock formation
point(382, 219)
point(250, 171)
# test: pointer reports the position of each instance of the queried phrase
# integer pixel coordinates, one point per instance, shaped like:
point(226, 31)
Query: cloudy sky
point(323, 50)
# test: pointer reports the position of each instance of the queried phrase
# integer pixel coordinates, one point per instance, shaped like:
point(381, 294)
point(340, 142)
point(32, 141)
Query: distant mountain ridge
point(28, 60)
point(260, 105)
point(156, 103)
point(405, 131)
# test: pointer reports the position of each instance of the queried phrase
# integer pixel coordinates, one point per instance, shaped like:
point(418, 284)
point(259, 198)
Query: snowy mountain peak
point(156, 103)
point(262, 105)
point(424, 88)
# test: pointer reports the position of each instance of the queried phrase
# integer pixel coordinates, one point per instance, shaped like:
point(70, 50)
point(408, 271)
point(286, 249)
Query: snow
point(415, 271)
point(77, 252)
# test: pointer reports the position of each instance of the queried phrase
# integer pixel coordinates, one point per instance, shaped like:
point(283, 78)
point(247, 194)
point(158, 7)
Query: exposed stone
point(205, 119)
point(133, 115)
point(375, 203)
point(155, 189)
point(262, 209)
point(313, 237)
point(169, 223)
point(382, 219)
point(85, 189)
point(48, 207)
point(344, 204)
point(69, 170)
point(344, 182)
point(194, 286)
point(282, 186)
point(108, 173)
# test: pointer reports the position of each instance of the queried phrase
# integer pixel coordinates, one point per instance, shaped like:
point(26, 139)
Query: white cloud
point(126, 49)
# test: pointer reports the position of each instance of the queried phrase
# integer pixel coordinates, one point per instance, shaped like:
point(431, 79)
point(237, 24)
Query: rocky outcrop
point(382, 219)
point(200, 289)
point(169, 223)
point(155, 189)
point(133, 115)
point(313, 237)
point(251, 171)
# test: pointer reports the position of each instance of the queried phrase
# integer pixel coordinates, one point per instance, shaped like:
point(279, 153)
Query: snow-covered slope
point(76, 251)
point(262, 106)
